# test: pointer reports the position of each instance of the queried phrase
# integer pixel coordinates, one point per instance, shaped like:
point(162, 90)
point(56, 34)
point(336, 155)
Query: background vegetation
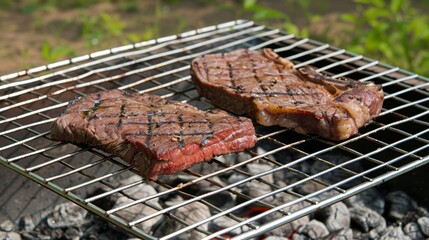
point(36, 32)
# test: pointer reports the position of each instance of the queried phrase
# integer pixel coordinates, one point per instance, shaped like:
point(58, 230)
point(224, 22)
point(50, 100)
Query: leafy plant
point(99, 28)
point(392, 31)
point(52, 53)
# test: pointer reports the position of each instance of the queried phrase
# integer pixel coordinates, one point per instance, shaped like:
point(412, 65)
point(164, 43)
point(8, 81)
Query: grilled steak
point(157, 136)
point(269, 89)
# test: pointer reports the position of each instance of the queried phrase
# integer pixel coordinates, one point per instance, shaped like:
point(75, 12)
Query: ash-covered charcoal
point(9, 236)
point(337, 175)
point(72, 234)
point(256, 188)
point(288, 228)
point(311, 187)
point(313, 230)
point(412, 216)
point(368, 221)
point(140, 210)
point(346, 234)
point(67, 214)
point(26, 224)
point(424, 225)
point(276, 238)
point(413, 230)
point(225, 222)
point(370, 198)
point(336, 217)
point(190, 213)
point(223, 199)
point(398, 203)
point(394, 233)
point(7, 226)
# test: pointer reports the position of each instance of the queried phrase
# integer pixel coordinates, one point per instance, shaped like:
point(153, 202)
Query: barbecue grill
point(394, 143)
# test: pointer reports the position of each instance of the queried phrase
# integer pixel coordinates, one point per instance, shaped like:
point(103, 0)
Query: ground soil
point(23, 34)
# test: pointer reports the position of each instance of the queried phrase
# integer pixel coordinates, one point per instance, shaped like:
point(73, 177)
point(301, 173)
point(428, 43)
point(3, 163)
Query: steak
point(156, 135)
point(269, 89)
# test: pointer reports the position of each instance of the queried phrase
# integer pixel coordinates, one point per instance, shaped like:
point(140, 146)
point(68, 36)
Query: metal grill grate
point(396, 142)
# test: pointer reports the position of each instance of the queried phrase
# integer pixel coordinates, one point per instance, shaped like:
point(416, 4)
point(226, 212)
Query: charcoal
point(223, 200)
point(394, 233)
point(255, 189)
point(138, 211)
point(9, 236)
point(191, 213)
point(370, 198)
point(368, 220)
point(7, 226)
point(413, 216)
point(288, 228)
point(72, 234)
point(67, 215)
point(312, 230)
point(424, 225)
point(275, 238)
point(225, 222)
point(398, 204)
point(256, 168)
point(336, 175)
point(412, 230)
point(346, 234)
point(336, 217)
point(26, 224)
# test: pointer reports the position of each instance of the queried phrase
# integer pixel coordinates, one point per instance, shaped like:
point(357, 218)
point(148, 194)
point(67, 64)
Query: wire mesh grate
point(293, 174)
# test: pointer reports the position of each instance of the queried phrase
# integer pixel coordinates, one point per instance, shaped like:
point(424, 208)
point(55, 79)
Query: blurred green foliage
point(392, 31)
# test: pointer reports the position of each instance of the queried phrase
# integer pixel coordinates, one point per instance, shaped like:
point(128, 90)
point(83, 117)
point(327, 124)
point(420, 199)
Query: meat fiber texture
point(268, 88)
point(156, 135)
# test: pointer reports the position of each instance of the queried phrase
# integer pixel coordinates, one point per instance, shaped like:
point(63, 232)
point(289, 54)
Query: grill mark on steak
point(302, 99)
point(155, 135)
point(210, 134)
point(230, 74)
point(180, 138)
point(121, 115)
point(149, 129)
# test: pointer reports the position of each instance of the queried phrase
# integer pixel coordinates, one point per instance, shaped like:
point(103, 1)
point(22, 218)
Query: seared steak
point(157, 136)
point(269, 89)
